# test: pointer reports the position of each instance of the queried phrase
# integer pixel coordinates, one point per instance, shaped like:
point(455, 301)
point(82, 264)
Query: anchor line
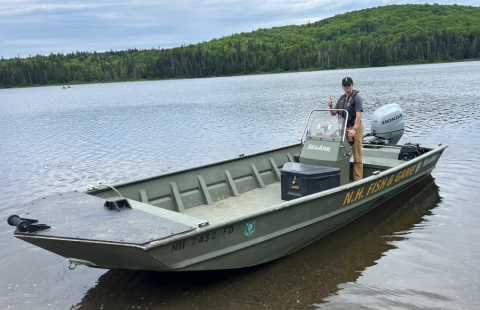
point(99, 184)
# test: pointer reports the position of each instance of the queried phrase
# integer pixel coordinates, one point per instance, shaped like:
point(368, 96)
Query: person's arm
point(330, 105)
point(358, 120)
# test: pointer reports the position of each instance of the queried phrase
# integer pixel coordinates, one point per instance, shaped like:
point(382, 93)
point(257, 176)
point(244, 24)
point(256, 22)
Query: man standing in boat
point(353, 103)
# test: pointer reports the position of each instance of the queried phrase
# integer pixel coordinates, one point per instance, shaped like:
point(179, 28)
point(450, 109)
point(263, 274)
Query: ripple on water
point(417, 251)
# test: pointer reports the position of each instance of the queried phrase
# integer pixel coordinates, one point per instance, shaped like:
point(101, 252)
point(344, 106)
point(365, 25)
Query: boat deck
point(248, 202)
point(75, 215)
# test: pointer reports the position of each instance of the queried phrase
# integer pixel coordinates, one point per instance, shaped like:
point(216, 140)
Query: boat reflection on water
point(296, 281)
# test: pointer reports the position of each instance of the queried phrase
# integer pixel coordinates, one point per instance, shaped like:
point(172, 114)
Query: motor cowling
point(388, 123)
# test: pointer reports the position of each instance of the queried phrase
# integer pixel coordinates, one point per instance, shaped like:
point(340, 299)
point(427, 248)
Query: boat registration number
point(204, 238)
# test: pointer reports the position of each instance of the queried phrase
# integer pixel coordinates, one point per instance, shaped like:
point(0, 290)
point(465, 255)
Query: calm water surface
point(420, 250)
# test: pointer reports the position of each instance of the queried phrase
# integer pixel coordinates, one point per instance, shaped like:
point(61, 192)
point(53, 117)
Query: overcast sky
point(44, 26)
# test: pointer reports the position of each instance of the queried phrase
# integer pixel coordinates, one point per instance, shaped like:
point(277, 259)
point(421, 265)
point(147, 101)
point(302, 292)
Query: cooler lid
point(308, 170)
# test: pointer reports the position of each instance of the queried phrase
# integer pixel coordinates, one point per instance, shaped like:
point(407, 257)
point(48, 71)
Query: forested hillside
point(389, 35)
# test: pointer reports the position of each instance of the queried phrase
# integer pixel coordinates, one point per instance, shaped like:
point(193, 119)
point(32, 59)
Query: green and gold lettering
point(376, 187)
point(370, 189)
point(411, 170)
point(348, 198)
point(359, 194)
point(399, 176)
point(383, 183)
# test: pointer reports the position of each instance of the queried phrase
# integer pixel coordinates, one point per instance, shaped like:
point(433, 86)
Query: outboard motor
point(387, 125)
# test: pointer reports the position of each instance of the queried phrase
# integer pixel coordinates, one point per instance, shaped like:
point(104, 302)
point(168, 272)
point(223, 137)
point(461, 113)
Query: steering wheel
point(351, 142)
point(334, 134)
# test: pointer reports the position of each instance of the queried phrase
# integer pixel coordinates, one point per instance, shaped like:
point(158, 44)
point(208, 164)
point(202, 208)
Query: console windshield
point(323, 126)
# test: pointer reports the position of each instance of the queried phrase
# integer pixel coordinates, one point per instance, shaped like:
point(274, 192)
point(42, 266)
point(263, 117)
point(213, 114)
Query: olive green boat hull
point(241, 239)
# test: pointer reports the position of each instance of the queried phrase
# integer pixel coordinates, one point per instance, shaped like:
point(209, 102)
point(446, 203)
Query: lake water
point(419, 250)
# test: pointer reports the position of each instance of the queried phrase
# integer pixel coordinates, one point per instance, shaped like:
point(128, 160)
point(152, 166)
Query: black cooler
point(299, 180)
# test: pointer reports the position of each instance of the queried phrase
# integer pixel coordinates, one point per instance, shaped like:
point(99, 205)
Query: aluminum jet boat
point(234, 213)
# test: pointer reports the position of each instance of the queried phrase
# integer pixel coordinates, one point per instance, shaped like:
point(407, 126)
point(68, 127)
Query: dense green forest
point(389, 35)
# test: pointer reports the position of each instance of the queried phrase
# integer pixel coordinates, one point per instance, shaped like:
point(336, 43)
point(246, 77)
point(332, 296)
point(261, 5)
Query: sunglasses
point(347, 85)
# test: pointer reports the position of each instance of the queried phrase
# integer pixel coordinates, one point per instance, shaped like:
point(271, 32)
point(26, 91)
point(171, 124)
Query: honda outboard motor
point(387, 125)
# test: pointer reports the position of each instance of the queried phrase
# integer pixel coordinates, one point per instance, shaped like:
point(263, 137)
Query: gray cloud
point(27, 7)
point(41, 27)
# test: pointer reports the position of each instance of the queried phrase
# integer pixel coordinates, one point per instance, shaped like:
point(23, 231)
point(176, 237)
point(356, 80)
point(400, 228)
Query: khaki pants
point(357, 152)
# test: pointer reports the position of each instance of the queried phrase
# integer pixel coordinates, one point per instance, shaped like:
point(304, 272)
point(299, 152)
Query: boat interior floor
point(261, 198)
point(247, 202)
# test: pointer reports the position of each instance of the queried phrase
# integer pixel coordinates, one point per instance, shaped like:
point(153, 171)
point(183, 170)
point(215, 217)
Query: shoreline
point(248, 74)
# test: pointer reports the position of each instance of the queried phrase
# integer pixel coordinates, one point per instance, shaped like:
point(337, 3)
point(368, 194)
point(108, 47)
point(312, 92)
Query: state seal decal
point(249, 228)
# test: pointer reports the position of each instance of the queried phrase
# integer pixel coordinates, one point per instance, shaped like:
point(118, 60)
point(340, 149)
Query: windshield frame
point(302, 140)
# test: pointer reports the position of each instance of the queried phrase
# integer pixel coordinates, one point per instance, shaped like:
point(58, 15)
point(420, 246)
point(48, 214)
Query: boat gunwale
point(277, 207)
point(294, 202)
point(166, 174)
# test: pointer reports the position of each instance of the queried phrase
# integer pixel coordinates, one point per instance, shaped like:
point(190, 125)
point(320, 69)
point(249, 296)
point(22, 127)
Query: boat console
point(325, 144)
point(324, 161)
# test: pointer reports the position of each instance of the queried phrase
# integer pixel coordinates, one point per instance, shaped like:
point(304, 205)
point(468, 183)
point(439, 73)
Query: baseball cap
point(347, 80)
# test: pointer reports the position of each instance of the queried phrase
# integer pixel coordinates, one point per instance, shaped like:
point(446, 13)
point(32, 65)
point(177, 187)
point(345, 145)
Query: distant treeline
point(390, 35)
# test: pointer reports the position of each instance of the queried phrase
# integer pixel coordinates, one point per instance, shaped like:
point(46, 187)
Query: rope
point(99, 184)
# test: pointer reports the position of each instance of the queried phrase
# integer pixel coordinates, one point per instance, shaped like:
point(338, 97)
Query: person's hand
point(351, 133)
point(330, 102)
